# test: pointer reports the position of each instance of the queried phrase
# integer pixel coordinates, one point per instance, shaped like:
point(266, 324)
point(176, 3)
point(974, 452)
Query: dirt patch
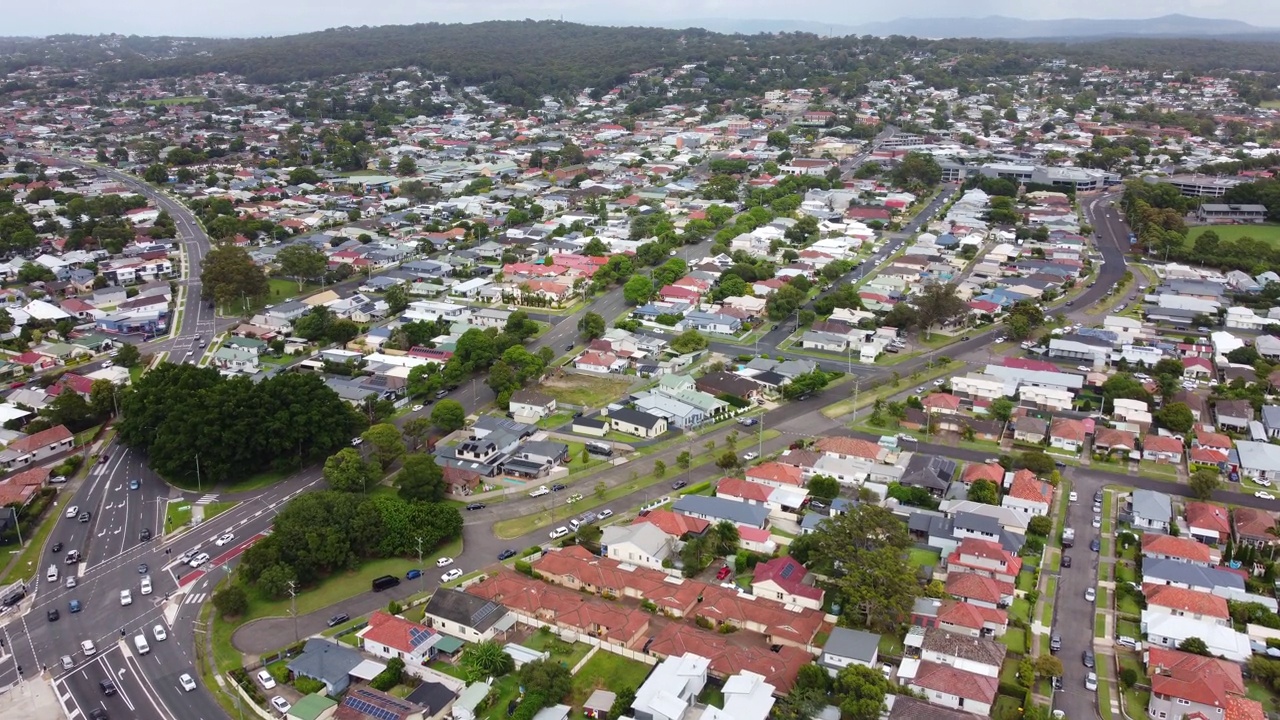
point(585, 391)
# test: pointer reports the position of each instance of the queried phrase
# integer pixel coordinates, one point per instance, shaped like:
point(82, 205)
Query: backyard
point(607, 670)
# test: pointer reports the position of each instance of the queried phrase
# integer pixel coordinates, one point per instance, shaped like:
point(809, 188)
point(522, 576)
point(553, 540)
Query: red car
point(724, 573)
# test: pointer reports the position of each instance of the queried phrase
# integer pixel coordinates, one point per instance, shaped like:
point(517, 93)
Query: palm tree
point(485, 659)
point(726, 537)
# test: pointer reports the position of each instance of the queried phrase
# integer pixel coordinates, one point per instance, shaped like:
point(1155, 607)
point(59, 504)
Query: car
point(1264, 495)
point(57, 547)
point(146, 585)
point(453, 574)
point(920, 390)
point(107, 363)
point(558, 487)
point(199, 560)
point(558, 533)
point(965, 337)
point(1095, 545)
point(58, 479)
point(1126, 641)
point(442, 394)
point(416, 408)
point(568, 347)
point(87, 647)
point(817, 504)
point(53, 614)
point(1091, 682)
point(1097, 521)
point(357, 441)
point(1090, 594)
point(135, 484)
point(604, 513)
point(159, 633)
point(1070, 303)
point(265, 678)
point(539, 491)
point(142, 568)
point(749, 456)
point(1056, 682)
point(97, 714)
point(186, 682)
point(1066, 561)
point(1055, 643)
point(68, 662)
point(144, 535)
point(748, 422)
point(724, 572)
point(186, 556)
point(126, 597)
point(281, 705)
point(74, 606)
point(338, 619)
point(1202, 329)
point(72, 557)
point(1001, 339)
point(506, 554)
point(679, 484)
point(939, 382)
point(71, 582)
point(1097, 508)
point(73, 511)
point(476, 506)
point(1087, 658)
point(992, 461)
point(1073, 496)
point(84, 516)
point(444, 562)
point(223, 539)
point(108, 687)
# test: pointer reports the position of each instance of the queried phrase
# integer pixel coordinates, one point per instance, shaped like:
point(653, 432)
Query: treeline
point(186, 417)
point(1156, 213)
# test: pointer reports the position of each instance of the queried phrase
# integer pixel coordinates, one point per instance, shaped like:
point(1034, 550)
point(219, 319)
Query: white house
point(672, 688)
point(1170, 630)
point(466, 616)
point(388, 636)
point(1028, 495)
point(847, 647)
point(529, 406)
point(644, 544)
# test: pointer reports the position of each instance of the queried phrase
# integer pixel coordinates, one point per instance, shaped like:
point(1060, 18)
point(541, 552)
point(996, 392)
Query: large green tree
point(865, 550)
point(228, 274)
point(348, 471)
point(387, 443)
point(302, 262)
point(420, 479)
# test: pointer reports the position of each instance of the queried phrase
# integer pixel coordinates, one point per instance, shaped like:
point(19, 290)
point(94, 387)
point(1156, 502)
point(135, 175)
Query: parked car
point(1066, 561)
point(1087, 659)
point(506, 554)
point(265, 678)
point(1055, 643)
point(443, 562)
point(338, 619)
point(559, 532)
point(413, 574)
point(558, 487)
point(1091, 682)
point(725, 571)
point(749, 456)
point(476, 506)
point(281, 705)
point(679, 484)
point(1090, 594)
point(453, 574)
point(604, 513)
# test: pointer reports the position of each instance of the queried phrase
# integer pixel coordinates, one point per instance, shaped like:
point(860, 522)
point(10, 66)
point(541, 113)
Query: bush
point(704, 622)
point(1129, 677)
point(307, 686)
point(389, 677)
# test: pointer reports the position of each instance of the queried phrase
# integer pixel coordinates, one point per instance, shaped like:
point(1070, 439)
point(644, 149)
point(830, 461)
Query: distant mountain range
point(994, 26)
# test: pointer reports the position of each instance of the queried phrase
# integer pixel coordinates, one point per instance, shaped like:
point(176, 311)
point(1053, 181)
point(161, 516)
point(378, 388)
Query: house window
point(1183, 702)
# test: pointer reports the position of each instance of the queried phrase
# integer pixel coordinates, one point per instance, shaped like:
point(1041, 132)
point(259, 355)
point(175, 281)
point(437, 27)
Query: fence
point(575, 636)
point(243, 699)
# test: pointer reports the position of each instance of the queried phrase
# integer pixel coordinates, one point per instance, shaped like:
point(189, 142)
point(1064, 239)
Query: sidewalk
point(34, 698)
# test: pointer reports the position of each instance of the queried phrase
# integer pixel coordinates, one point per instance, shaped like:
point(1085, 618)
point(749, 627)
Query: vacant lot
point(1269, 234)
point(585, 390)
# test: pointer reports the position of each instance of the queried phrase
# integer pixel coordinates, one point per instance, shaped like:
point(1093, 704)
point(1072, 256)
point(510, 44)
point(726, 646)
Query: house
point(1151, 510)
point(235, 360)
point(906, 707)
point(388, 636)
point(986, 558)
point(529, 406)
point(1167, 547)
point(783, 579)
point(328, 662)
point(982, 657)
point(952, 687)
point(465, 616)
point(1233, 414)
point(962, 618)
point(464, 708)
point(1257, 460)
point(1196, 577)
point(600, 362)
point(1254, 527)
point(37, 447)
point(635, 422)
point(714, 510)
point(931, 472)
point(671, 689)
point(848, 647)
point(1028, 495)
point(1030, 429)
point(1113, 440)
point(1184, 685)
point(980, 590)
point(1207, 523)
point(1162, 448)
point(723, 383)
point(365, 703)
point(747, 696)
point(1066, 434)
point(1185, 602)
point(641, 544)
point(1162, 629)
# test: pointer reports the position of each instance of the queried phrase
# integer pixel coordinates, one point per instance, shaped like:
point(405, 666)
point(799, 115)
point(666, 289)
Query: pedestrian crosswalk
point(194, 598)
point(207, 498)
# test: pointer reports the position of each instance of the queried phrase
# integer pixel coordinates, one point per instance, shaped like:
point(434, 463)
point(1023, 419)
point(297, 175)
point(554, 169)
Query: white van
point(52, 575)
point(140, 642)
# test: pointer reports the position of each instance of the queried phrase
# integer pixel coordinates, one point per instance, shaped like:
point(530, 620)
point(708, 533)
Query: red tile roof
point(1213, 440)
point(1068, 429)
point(1030, 489)
point(982, 471)
point(941, 401)
point(1254, 523)
point(963, 614)
point(1207, 456)
point(41, 439)
point(1203, 680)
point(1175, 547)
point(1190, 601)
point(1208, 516)
point(394, 632)
point(1243, 708)
point(1161, 443)
point(778, 473)
point(953, 681)
point(728, 658)
point(744, 489)
point(674, 524)
point(977, 587)
point(853, 447)
point(787, 574)
point(985, 550)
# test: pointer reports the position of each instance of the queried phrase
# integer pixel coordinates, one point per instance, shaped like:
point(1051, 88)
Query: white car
point(126, 597)
point(355, 441)
point(1264, 495)
point(417, 408)
point(1090, 595)
point(540, 491)
point(87, 647)
point(281, 704)
point(223, 539)
point(265, 678)
point(159, 633)
point(146, 584)
point(604, 513)
point(1073, 496)
point(749, 456)
point(939, 382)
point(453, 574)
point(199, 560)
point(1097, 521)
point(1091, 682)
point(444, 562)
point(71, 581)
point(72, 511)
point(186, 682)
point(1263, 482)
point(559, 532)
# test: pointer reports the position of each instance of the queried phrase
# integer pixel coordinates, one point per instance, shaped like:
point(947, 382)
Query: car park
point(453, 574)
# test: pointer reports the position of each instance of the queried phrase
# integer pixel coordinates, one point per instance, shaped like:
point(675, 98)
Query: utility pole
point(760, 439)
point(857, 382)
point(199, 484)
point(293, 607)
point(424, 575)
point(16, 524)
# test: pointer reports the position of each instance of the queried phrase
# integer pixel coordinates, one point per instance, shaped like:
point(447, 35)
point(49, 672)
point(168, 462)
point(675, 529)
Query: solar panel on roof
point(417, 636)
point(384, 700)
point(786, 571)
point(370, 709)
point(483, 613)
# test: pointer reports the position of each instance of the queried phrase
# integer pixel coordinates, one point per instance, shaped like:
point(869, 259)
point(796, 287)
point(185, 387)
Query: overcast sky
point(240, 18)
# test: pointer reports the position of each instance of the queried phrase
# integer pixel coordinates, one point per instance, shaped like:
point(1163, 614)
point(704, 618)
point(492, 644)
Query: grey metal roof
point(1152, 505)
point(855, 644)
point(722, 509)
point(325, 660)
point(1178, 572)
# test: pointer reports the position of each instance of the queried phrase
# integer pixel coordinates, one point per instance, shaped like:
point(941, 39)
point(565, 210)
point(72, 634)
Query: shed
point(521, 654)
point(599, 704)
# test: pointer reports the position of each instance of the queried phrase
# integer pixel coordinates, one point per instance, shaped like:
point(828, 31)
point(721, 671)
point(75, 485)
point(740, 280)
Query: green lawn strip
point(253, 482)
point(340, 586)
point(1015, 639)
point(1128, 627)
point(518, 526)
point(1021, 610)
point(1104, 692)
point(214, 509)
point(1268, 233)
point(1026, 581)
point(1099, 626)
point(224, 658)
point(919, 557)
point(177, 513)
point(890, 645)
point(554, 421)
point(1103, 598)
point(27, 564)
point(1046, 609)
point(1127, 604)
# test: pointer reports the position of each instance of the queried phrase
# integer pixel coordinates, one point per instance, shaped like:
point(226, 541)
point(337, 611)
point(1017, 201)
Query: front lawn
point(1015, 639)
point(1021, 610)
point(607, 671)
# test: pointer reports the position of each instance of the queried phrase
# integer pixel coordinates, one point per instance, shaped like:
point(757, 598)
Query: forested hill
point(519, 61)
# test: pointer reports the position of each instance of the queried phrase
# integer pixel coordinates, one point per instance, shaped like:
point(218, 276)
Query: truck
point(1068, 537)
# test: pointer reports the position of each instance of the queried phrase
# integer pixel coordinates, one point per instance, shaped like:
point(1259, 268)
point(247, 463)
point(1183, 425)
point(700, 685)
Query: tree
point(304, 176)
point(156, 174)
point(937, 304)
point(228, 274)
point(128, 355)
point(387, 443)
point(449, 415)
point(1176, 417)
point(622, 702)
point(391, 675)
point(1204, 483)
point(659, 468)
point(684, 459)
point(420, 479)
point(806, 384)
point(485, 659)
point(864, 549)
point(406, 165)
point(302, 262)
point(918, 170)
point(985, 492)
point(727, 460)
point(725, 535)
point(638, 290)
point(689, 341)
point(1195, 646)
point(591, 326)
point(824, 487)
point(348, 471)
point(397, 299)
point(1001, 409)
point(231, 601)
point(860, 691)
point(1039, 525)
point(416, 430)
point(547, 677)
point(778, 139)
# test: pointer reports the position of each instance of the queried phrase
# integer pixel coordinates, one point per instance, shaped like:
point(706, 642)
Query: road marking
point(207, 498)
point(194, 598)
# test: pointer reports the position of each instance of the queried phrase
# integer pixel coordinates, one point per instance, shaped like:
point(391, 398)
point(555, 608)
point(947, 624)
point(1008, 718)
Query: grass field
point(585, 390)
point(1266, 232)
point(606, 670)
point(28, 562)
point(176, 514)
point(213, 510)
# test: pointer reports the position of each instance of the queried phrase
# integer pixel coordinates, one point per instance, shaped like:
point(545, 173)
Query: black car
point(558, 487)
point(966, 337)
point(338, 619)
point(142, 568)
point(1087, 659)
point(476, 506)
point(108, 687)
point(97, 714)
point(53, 615)
point(57, 547)
point(1066, 561)
point(505, 554)
point(1096, 545)
point(678, 484)
point(569, 346)
point(84, 516)
point(144, 535)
